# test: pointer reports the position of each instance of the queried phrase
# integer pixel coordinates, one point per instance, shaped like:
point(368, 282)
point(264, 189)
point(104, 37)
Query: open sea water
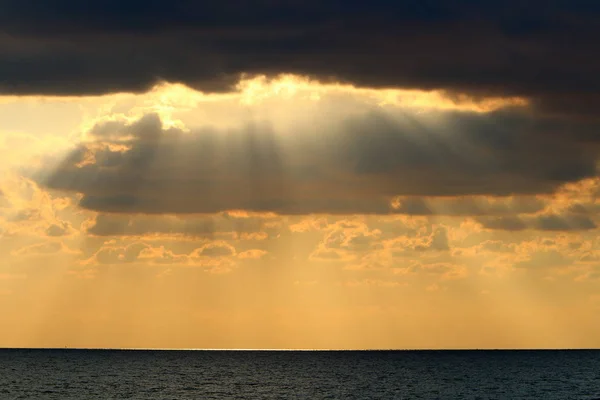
point(135, 374)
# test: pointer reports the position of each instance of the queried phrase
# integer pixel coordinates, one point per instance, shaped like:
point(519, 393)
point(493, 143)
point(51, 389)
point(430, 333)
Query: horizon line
point(302, 349)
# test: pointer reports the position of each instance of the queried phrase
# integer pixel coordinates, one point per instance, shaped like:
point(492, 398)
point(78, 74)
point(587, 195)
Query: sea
point(200, 374)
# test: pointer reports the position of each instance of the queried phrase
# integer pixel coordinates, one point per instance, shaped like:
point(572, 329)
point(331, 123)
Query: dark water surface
point(114, 374)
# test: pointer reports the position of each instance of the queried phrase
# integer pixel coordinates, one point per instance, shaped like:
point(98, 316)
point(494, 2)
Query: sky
point(299, 174)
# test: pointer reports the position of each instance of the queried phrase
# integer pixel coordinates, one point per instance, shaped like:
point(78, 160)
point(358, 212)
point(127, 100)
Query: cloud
point(216, 249)
point(26, 209)
point(309, 224)
point(161, 255)
point(345, 240)
point(563, 223)
point(377, 252)
point(497, 246)
point(539, 51)
point(111, 254)
point(469, 206)
point(253, 254)
point(437, 241)
point(543, 222)
point(248, 227)
point(358, 162)
point(45, 249)
point(591, 274)
point(544, 259)
point(586, 209)
point(512, 223)
point(443, 270)
point(63, 229)
point(350, 235)
point(325, 254)
point(216, 256)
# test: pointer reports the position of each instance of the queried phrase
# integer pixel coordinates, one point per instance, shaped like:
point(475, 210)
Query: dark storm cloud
point(546, 50)
point(355, 166)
